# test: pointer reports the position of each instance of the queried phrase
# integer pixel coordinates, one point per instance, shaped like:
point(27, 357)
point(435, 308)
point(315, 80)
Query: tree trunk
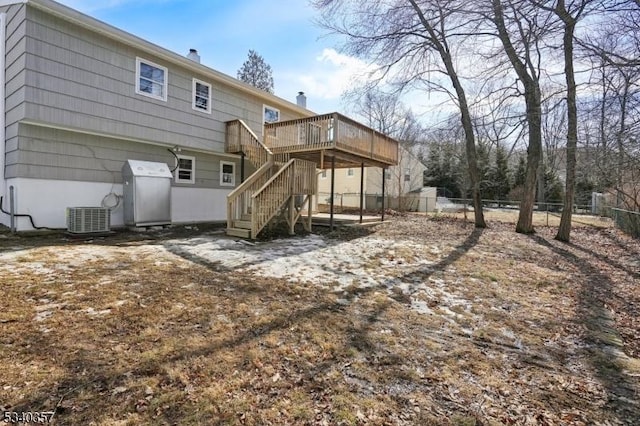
point(465, 115)
point(564, 231)
point(534, 153)
point(540, 184)
point(534, 119)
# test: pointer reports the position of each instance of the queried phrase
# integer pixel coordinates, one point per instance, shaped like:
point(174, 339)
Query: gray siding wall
point(14, 76)
point(63, 75)
point(45, 153)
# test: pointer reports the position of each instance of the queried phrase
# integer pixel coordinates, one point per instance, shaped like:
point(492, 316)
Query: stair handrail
point(250, 145)
point(295, 169)
point(274, 177)
point(234, 210)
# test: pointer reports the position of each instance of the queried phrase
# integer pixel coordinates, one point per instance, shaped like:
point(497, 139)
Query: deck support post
point(384, 170)
point(310, 213)
point(333, 187)
point(242, 167)
point(292, 215)
point(361, 190)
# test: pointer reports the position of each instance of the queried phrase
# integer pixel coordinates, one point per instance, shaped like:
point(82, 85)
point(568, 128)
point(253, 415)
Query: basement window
point(227, 173)
point(151, 79)
point(185, 169)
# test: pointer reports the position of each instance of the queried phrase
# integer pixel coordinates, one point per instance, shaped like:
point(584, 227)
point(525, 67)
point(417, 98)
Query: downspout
point(12, 209)
point(3, 141)
point(242, 167)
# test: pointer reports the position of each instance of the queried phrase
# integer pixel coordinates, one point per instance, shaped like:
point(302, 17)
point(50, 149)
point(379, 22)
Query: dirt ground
point(414, 321)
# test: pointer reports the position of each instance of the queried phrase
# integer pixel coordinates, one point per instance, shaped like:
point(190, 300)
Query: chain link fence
point(627, 221)
point(550, 213)
point(547, 213)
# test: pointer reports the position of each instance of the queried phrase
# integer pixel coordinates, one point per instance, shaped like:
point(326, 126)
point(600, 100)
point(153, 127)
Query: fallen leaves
point(458, 328)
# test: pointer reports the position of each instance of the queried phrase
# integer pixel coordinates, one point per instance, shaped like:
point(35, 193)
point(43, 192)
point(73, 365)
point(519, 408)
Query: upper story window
point(151, 79)
point(201, 96)
point(323, 175)
point(186, 169)
point(271, 115)
point(407, 175)
point(350, 172)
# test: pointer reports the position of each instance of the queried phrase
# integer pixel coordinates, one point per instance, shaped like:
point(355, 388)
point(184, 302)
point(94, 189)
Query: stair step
point(237, 232)
point(244, 224)
point(246, 217)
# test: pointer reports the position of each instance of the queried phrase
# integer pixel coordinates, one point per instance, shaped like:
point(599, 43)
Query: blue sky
point(302, 56)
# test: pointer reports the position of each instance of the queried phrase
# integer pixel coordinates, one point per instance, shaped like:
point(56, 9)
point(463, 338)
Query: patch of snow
point(421, 307)
point(92, 312)
point(42, 315)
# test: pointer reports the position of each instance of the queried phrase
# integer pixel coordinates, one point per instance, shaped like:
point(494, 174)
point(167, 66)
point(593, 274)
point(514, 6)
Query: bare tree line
point(522, 73)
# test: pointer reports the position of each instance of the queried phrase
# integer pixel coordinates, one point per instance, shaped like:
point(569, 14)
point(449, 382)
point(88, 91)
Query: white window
point(324, 174)
point(151, 79)
point(227, 173)
point(201, 96)
point(350, 172)
point(407, 175)
point(271, 115)
point(185, 169)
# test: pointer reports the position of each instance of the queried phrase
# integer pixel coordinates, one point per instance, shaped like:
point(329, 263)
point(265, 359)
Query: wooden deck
point(323, 137)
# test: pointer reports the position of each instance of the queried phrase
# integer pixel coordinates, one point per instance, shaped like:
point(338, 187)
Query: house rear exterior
point(81, 97)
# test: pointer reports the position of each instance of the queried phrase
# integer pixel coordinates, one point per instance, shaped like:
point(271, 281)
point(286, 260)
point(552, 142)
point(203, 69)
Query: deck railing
point(330, 131)
point(240, 138)
point(296, 177)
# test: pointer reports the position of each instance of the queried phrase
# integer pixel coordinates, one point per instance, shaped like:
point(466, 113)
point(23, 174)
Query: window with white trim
point(350, 172)
point(201, 96)
point(185, 169)
point(271, 114)
point(323, 175)
point(151, 79)
point(227, 173)
point(407, 175)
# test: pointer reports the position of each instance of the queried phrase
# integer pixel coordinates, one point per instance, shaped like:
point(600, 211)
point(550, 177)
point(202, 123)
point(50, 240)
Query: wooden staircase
point(272, 190)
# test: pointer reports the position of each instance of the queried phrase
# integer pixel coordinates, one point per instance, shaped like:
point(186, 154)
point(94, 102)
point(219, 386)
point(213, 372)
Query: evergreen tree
point(500, 175)
point(256, 72)
point(443, 169)
point(553, 191)
point(484, 171)
point(521, 172)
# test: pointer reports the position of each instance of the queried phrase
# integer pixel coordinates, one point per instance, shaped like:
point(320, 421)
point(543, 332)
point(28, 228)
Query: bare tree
point(569, 17)
point(413, 39)
point(387, 114)
point(526, 28)
point(615, 47)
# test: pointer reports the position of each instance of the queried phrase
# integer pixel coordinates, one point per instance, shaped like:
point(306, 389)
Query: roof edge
point(95, 25)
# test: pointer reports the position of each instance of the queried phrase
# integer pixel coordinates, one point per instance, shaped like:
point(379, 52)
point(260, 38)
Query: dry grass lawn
point(463, 327)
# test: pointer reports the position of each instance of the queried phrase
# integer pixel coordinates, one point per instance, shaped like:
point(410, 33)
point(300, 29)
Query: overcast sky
point(302, 57)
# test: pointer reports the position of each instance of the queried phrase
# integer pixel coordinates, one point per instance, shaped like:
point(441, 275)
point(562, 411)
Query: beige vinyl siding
point(45, 153)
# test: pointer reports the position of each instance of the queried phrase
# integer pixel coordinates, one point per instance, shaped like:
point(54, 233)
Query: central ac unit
point(84, 220)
